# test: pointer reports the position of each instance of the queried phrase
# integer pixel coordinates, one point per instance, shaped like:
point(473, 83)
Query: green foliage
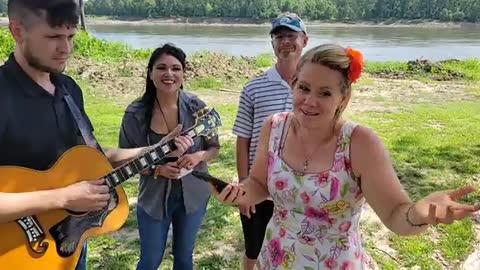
point(88, 46)
point(387, 67)
point(264, 60)
point(7, 44)
point(3, 7)
point(468, 69)
point(85, 45)
point(206, 83)
point(446, 10)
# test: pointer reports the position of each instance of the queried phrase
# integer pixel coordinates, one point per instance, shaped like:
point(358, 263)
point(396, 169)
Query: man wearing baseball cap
point(266, 94)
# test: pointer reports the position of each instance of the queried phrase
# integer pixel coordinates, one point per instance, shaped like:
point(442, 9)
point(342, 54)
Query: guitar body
point(63, 232)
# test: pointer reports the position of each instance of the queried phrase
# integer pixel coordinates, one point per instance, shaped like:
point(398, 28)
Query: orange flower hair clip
point(356, 64)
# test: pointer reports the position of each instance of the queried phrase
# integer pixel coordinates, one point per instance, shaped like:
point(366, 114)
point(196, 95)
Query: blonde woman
point(320, 170)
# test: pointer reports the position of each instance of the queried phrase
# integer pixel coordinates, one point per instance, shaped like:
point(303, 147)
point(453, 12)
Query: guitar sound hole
point(74, 213)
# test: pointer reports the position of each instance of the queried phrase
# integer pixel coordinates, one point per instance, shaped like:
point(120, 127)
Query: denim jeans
point(82, 261)
point(153, 234)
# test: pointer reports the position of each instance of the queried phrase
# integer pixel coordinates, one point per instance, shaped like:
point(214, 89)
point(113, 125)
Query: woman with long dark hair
point(166, 197)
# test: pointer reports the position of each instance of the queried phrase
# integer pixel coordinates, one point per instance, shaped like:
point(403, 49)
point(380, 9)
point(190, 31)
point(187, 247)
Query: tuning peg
point(197, 114)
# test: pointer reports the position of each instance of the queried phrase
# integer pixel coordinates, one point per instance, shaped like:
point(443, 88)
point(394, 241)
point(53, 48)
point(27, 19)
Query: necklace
point(307, 157)
point(306, 162)
point(163, 115)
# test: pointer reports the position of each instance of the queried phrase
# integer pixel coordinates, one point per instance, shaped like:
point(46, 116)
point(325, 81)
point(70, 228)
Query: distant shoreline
point(94, 20)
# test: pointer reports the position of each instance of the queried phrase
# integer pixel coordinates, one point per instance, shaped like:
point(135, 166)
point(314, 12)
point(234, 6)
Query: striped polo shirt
point(265, 95)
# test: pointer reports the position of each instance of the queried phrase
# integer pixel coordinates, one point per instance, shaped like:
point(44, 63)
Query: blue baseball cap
point(291, 22)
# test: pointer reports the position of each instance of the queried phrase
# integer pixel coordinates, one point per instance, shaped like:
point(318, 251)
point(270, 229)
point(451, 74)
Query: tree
point(3, 6)
point(82, 15)
point(458, 10)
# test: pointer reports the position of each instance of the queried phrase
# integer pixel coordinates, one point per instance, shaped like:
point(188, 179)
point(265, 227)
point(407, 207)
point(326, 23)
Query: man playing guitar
point(36, 123)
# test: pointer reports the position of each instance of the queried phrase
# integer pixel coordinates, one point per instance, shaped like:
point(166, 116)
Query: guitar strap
point(84, 128)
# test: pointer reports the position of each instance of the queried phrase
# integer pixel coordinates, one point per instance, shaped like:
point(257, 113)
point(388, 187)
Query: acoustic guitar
point(54, 239)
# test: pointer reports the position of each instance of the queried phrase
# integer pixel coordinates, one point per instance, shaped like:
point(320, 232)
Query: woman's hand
point(247, 210)
point(189, 161)
point(231, 194)
point(182, 143)
point(169, 170)
point(442, 208)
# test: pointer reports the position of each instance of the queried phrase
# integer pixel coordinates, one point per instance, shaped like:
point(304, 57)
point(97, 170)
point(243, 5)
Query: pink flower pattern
point(316, 217)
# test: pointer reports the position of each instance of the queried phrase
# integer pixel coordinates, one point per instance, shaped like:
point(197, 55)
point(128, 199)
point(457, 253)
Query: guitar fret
point(153, 154)
point(149, 158)
point(137, 167)
point(143, 162)
point(159, 152)
point(115, 177)
point(128, 170)
point(123, 174)
point(166, 149)
point(191, 133)
point(109, 180)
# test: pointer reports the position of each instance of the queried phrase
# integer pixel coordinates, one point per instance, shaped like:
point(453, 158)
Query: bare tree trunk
point(82, 15)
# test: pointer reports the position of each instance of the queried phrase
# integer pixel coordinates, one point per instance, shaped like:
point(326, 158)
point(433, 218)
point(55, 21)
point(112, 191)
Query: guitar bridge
point(34, 233)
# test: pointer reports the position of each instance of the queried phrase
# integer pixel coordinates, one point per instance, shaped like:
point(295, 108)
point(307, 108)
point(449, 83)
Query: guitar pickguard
point(68, 232)
point(34, 232)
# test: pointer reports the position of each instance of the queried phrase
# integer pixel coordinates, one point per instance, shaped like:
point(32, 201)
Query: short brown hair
point(57, 12)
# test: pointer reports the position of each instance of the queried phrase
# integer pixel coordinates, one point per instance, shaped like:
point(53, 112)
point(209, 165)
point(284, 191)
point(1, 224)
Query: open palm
point(442, 207)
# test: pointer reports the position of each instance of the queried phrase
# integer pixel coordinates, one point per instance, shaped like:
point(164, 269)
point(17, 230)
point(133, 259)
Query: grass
point(470, 68)
point(475, 90)
point(416, 251)
point(444, 70)
point(206, 83)
point(456, 240)
point(385, 67)
point(264, 60)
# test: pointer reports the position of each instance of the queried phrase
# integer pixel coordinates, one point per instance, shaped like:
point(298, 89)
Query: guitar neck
point(151, 157)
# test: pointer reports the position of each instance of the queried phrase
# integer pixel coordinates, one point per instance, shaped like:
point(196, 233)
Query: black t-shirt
point(36, 128)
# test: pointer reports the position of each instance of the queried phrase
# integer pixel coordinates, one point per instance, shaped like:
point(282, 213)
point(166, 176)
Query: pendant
point(302, 173)
point(305, 166)
point(297, 173)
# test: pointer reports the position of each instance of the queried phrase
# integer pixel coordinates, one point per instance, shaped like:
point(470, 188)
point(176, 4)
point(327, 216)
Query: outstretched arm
point(252, 190)
point(383, 191)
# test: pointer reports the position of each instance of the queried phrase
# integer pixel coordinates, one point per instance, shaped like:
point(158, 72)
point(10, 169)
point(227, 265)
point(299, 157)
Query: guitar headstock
point(207, 121)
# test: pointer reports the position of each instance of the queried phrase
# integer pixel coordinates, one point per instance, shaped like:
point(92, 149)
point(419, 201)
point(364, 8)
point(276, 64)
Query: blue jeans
point(82, 261)
point(153, 235)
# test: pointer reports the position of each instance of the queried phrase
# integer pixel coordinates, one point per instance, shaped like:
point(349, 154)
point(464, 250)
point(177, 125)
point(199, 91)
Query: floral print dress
point(315, 224)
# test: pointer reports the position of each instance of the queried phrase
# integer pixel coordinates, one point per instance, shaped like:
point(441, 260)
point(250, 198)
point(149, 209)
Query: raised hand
point(442, 207)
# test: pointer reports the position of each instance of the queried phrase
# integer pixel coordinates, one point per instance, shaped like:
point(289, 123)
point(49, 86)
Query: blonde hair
point(334, 57)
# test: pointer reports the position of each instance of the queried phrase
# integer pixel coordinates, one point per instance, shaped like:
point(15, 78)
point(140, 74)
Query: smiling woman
point(167, 195)
point(320, 170)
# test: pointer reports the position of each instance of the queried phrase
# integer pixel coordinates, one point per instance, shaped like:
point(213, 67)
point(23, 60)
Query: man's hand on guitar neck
point(85, 196)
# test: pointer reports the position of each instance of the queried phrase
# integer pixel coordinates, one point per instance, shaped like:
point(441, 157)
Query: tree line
point(443, 10)
point(335, 10)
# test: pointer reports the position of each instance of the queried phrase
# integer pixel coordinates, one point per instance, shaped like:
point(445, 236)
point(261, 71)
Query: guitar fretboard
point(144, 161)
